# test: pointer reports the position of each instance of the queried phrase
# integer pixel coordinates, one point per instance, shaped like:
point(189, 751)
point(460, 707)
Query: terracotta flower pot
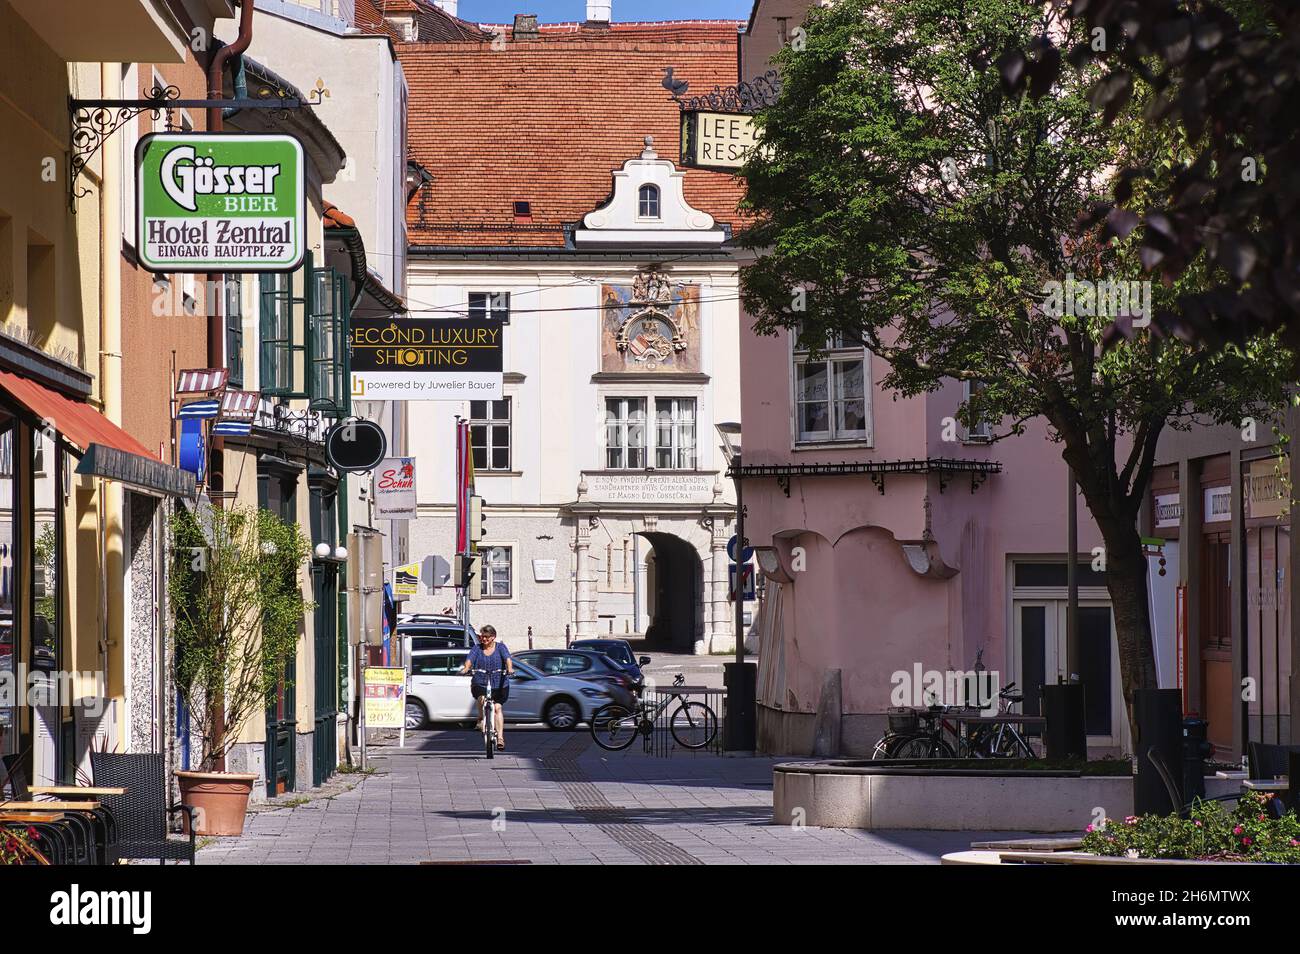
point(220, 800)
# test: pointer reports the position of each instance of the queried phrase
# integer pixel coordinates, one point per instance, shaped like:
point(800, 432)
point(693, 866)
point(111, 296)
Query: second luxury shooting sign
point(426, 359)
point(220, 202)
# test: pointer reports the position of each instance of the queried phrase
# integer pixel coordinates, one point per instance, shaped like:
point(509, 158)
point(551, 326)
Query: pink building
point(891, 539)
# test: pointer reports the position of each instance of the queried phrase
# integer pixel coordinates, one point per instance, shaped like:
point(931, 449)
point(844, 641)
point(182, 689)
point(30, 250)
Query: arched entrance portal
point(673, 591)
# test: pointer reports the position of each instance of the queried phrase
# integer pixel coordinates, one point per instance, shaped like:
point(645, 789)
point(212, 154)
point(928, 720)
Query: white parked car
point(436, 692)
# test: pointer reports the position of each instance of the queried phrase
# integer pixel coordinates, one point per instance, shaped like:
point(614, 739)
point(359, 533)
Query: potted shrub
point(237, 607)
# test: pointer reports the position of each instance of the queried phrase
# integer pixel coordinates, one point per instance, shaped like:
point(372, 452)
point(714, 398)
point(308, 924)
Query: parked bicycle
point(1002, 740)
point(693, 724)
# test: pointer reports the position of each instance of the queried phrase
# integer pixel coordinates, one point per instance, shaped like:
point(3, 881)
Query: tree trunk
point(1126, 581)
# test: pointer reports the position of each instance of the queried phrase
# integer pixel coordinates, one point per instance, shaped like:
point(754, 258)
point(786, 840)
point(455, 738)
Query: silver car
point(436, 692)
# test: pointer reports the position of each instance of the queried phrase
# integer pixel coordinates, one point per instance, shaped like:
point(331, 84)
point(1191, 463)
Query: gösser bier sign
point(216, 202)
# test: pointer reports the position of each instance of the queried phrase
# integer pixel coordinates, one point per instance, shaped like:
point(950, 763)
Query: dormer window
point(648, 202)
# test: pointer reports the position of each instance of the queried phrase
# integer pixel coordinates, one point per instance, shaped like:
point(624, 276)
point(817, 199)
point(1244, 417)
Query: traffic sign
point(731, 551)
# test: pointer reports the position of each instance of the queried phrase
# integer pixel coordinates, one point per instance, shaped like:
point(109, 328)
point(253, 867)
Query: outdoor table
point(1266, 784)
point(1232, 776)
point(48, 806)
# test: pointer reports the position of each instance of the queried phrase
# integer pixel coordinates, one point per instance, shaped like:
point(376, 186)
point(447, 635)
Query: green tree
point(901, 197)
point(238, 606)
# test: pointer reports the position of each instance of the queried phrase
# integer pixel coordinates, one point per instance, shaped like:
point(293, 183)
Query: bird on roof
point(676, 87)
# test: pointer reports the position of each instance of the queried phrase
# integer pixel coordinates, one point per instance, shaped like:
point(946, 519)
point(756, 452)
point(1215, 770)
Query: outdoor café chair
point(142, 812)
point(74, 833)
point(79, 803)
point(1266, 761)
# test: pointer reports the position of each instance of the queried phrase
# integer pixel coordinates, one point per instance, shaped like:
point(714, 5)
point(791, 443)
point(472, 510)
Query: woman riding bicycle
point(490, 660)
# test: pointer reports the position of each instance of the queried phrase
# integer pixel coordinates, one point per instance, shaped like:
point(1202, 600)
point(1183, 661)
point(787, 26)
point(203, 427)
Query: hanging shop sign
point(395, 488)
point(355, 446)
point(1218, 505)
point(716, 140)
point(426, 359)
point(217, 202)
point(1268, 484)
point(1168, 510)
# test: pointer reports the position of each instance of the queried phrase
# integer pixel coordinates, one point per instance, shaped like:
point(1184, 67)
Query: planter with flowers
point(1248, 832)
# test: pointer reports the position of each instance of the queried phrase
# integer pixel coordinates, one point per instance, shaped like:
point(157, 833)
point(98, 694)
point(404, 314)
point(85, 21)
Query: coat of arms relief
point(654, 325)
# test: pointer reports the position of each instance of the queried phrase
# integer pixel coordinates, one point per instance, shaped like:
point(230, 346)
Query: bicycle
point(489, 712)
point(693, 724)
point(1000, 741)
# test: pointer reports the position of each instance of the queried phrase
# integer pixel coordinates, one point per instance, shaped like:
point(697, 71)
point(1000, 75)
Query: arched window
point(649, 202)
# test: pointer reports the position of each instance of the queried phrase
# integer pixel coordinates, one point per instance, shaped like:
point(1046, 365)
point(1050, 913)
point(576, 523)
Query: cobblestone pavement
point(558, 798)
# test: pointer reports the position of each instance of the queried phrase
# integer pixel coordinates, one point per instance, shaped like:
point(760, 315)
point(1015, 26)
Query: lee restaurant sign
point(716, 140)
point(216, 202)
point(426, 359)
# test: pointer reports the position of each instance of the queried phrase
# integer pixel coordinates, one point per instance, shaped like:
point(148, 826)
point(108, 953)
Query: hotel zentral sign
point(218, 202)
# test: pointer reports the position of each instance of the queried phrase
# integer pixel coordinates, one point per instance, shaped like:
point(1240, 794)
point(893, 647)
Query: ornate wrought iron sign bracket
point(758, 93)
point(93, 121)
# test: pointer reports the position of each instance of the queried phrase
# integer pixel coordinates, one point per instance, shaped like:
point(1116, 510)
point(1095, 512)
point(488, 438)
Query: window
point(831, 400)
point(489, 434)
point(490, 305)
point(277, 339)
point(648, 202)
point(983, 429)
point(495, 582)
point(625, 433)
point(675, 433)
point(327, 321)
point(234, 309)
point(438, 665)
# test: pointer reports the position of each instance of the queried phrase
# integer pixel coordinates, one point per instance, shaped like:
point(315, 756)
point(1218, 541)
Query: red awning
point(76, 421)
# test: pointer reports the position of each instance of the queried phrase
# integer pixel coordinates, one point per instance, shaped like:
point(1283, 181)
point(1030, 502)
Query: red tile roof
point(368, 16)
point(547, 121)
point(433, 24)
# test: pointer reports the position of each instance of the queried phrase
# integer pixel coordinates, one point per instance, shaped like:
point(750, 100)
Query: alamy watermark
point(38, 687)
point(1108, 298)
point(976, 688)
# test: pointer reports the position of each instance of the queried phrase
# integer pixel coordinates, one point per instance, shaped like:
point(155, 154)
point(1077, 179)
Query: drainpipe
point(111, 497)
point(216, 310)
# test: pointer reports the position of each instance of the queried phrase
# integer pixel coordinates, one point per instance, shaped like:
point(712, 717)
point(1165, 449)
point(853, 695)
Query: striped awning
point(201, 380)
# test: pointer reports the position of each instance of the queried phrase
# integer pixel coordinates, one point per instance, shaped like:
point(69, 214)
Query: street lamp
point(741, 679)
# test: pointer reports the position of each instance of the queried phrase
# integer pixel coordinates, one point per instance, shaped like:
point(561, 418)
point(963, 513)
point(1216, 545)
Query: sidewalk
point(558, 798)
